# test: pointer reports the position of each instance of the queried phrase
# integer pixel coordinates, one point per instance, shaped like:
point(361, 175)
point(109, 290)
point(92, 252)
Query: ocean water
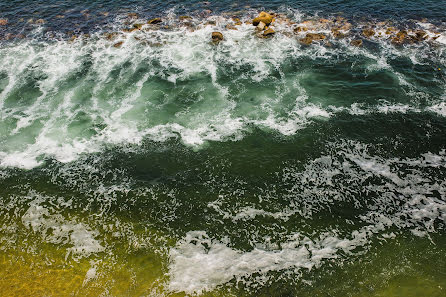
point(155, 162)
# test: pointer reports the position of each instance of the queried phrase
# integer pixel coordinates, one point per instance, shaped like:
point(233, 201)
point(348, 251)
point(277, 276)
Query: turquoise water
point(158, 163)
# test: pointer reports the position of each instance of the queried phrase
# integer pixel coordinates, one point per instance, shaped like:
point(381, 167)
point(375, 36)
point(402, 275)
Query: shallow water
point(167, 165)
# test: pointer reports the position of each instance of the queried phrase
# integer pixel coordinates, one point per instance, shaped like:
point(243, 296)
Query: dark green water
point(172, 166)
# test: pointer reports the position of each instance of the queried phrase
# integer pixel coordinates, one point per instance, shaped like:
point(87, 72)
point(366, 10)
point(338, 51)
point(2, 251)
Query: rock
point(420, 35)
point(263, 17)
point(261, 26)
point(316, 36)
point(300, 29)
point(269, 32)
point(217, 36)
point(337, 33)
point(3, 22)
point(400, 37)
point(356, 42)
point(184, 17)
point(306, 40)
point(132, 15)
point(310, 37)
point(118, 44)
point(231, 27)
point(368, 33)
point(324, 21)
point(211, 22)
point(59, 16)
point(390, 30)
point(237, 21)
point(40, 21)
point(154, 21)
point(137, 26)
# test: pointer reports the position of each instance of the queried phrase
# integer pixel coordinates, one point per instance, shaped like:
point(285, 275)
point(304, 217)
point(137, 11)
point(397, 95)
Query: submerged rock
point(337, 33)
point(132, 15)
point(118, 44)
point(3, 22)
point(263, 17)
point(217, 36)
point(310, 37)
point(400, 37)
point(154, 21)
point(368, 33)
point(137, 26)
point(356, 42)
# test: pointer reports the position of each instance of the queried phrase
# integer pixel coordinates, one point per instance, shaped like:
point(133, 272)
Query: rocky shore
point(320, 31)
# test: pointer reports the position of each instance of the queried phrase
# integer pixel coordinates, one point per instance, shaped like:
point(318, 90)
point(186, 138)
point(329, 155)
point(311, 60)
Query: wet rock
point(40, 22)
point(231, 27)
point(356, 42)
point(154, 21)
point(263, 17)
point(368, 32)
point(59, 16)
point(217, 36)
point(400, 37)
point(337, 33)
point(137, 26)
point(3, 22)
point(391, 30)
point(269, 32)
point(261, 26)
point(184, 17)
point(118, 44)
point(237, 21)
point(420, 35)
point(111, 36)
point(310, 37)
point(300, 29)
point(211, 22)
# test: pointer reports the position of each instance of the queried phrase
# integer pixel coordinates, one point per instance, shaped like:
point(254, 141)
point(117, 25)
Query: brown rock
point(217, 36)
point(154, 21)
point(390, 30)
point(263, 17)
point(137, 26)
point(184, 17)
point(261, 26)
point(118, 44)
point(231, 27)
point(111, 36)
point(40, 21)
point(400, 37)
point(59, 16)
point(316, 36)
point(300, 29)
point(356, 42)
point(3, 22)
point(420, 35)
point(269, 32)
point(336, 33)
point(306, 40)
point(368, 33)
point(132, 15)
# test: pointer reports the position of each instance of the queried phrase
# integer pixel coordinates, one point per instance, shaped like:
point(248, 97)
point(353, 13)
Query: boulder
point(231, 27)
point(217, 36)
point(269, 32)
point(368, 33)
point(391, 30)
point(137, 26)
point(400, 37)
point(3, 22)
point(300, 29)
point(420, 35)
point(263, 17)
point(118, 44)
point(261, 26)
point(154, 21)
point(356, 42)
point(337, 33)
point(310, 37)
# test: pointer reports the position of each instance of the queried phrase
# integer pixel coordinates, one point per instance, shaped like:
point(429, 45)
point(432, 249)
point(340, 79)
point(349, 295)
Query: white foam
point(199, 263)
